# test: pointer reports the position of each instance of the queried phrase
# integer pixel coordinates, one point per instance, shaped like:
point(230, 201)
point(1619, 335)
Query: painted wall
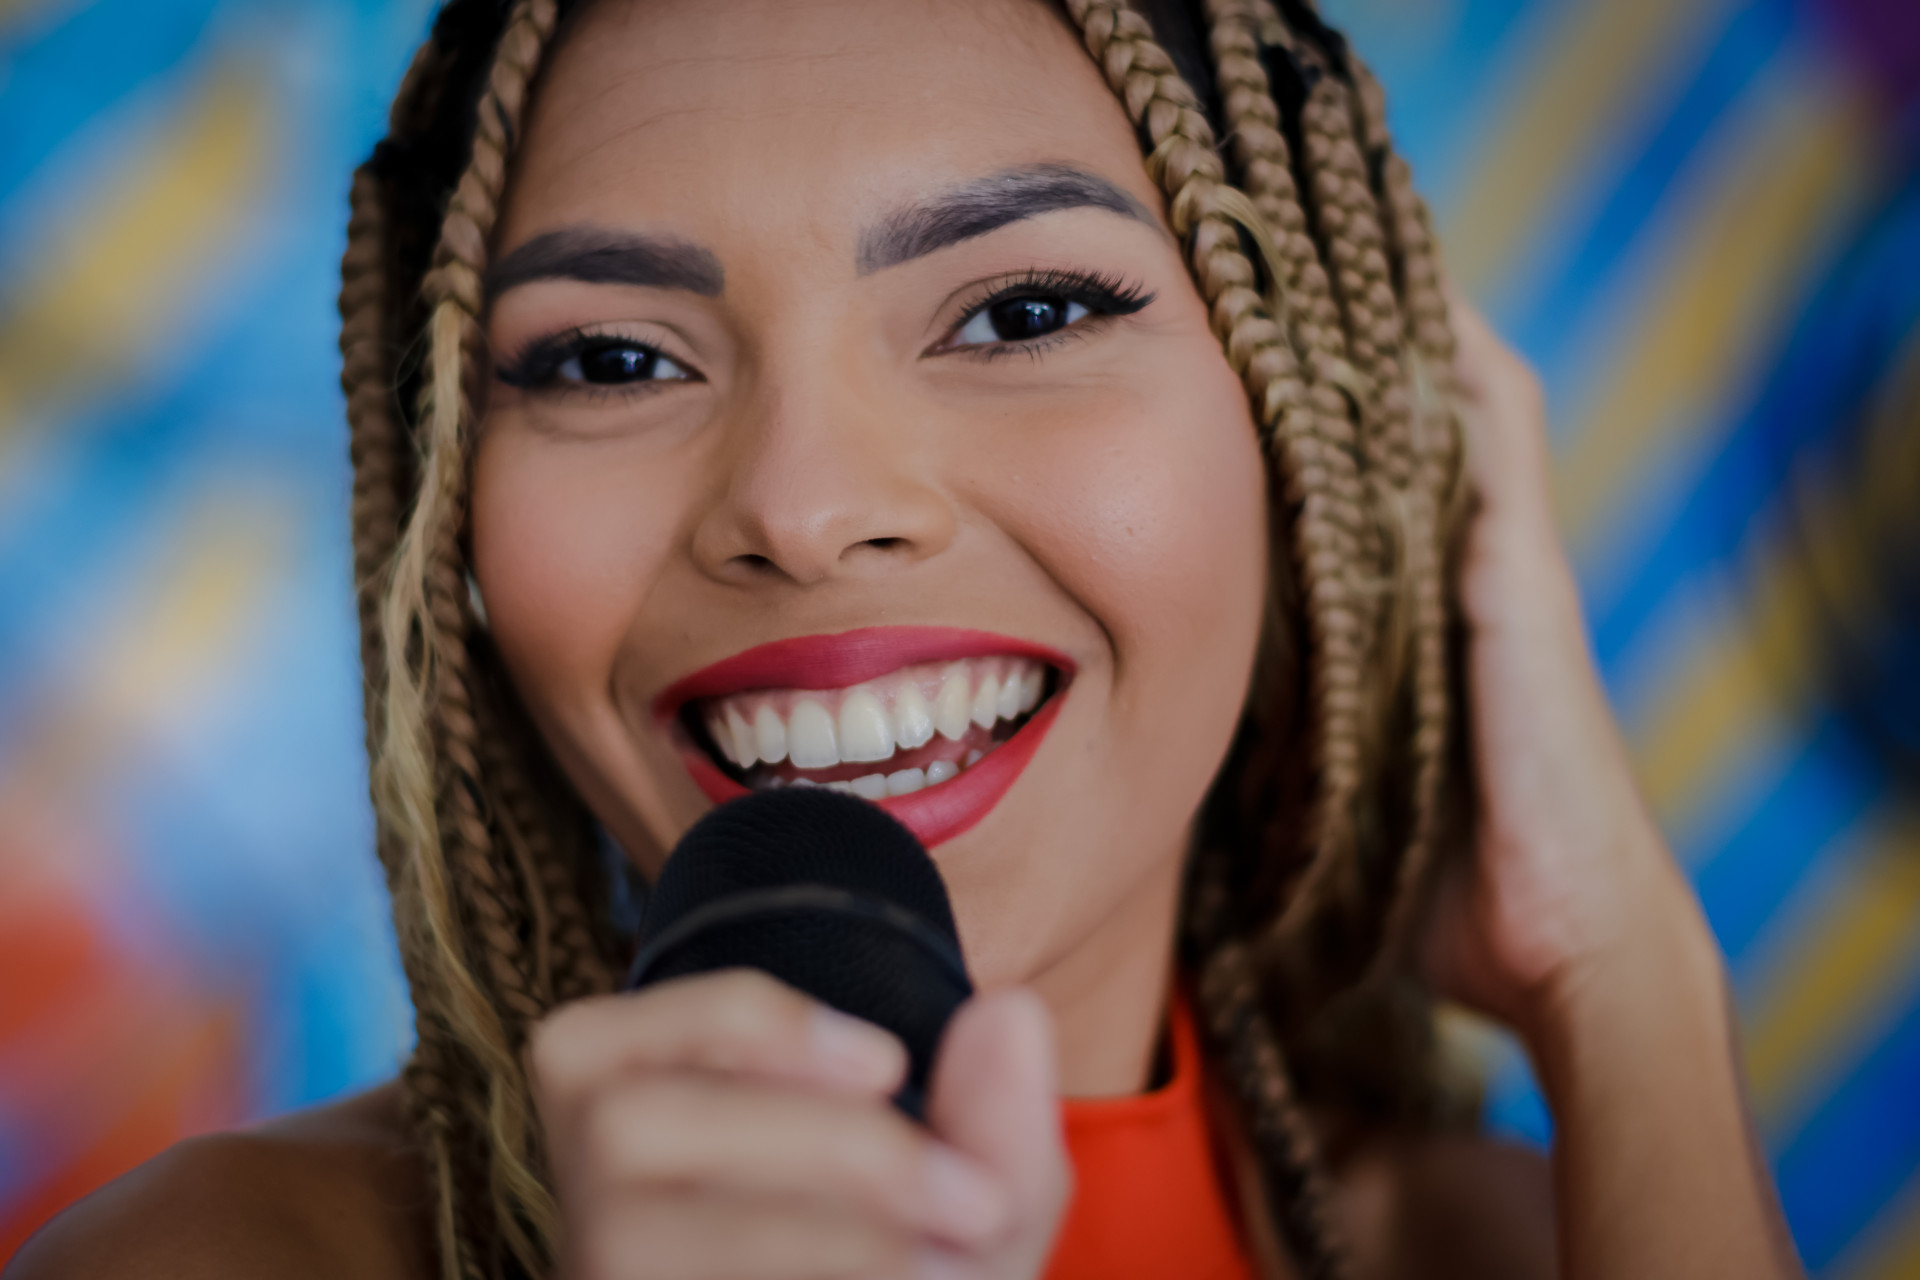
point(1700, 217)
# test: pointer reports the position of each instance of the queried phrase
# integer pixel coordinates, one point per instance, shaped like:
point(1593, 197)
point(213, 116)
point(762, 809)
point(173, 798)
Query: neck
point(1108, 995)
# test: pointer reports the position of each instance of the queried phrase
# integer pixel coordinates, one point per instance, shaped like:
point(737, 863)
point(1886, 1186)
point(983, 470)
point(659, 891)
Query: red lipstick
point(937, 813)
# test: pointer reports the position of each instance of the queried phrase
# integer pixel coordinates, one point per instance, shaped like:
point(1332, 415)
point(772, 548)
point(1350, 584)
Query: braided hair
point(1319, 839)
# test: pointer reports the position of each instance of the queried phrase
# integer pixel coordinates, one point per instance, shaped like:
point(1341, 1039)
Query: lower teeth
point(879, 786)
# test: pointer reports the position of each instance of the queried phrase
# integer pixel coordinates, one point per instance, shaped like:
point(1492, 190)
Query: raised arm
point(1573, 924)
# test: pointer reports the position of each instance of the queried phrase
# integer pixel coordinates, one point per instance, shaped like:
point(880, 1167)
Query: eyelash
point(534, 366)
point(1105, 297)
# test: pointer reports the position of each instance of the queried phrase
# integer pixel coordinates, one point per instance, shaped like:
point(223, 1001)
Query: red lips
point(935, 814)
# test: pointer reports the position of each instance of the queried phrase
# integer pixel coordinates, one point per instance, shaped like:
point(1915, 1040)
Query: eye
point(1020, 319)
point(617, 362)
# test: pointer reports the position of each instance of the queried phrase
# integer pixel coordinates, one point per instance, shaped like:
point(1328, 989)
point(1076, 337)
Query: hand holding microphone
point(723, 1123)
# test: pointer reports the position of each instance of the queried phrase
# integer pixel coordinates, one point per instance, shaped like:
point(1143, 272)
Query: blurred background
point(1700, 218)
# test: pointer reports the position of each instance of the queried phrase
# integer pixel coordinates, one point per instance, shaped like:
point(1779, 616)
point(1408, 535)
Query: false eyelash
point(536, 363)
point(541, 358)
point(1102, 294)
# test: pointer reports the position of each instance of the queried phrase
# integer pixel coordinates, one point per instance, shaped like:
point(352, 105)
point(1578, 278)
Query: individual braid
point(1342, 619)
point(1412, 459)
point(540, 821)
point(377, 443)
point(1230, 994)
point(1337, 209)
point(383, 477)
point(1423, 408)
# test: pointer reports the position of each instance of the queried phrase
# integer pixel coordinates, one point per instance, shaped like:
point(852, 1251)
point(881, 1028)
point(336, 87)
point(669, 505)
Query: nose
point(823, 479)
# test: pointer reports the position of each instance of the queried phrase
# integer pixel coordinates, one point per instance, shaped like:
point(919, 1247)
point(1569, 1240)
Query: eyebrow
point(987, 204)
point(598, 255)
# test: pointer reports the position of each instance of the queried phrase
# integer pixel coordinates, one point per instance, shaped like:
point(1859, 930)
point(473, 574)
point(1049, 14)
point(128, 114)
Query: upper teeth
point(816, 729)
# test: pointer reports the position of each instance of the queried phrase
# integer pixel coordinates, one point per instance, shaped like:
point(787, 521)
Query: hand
point(727, 1125)
point(1570, 870)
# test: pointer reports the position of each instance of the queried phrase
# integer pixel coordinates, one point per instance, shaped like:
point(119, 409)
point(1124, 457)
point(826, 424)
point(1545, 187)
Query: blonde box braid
point(488, 853)
point(1359, 183)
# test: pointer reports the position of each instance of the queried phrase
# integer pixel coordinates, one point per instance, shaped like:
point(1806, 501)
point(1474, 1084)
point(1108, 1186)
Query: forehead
point(814, 111)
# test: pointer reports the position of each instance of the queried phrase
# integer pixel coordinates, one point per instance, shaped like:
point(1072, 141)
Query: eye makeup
point(1098, 295)
point(594, 360)
point(1066, 303)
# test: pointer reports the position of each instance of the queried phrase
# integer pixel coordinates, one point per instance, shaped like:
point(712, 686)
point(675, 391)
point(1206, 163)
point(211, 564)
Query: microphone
point(829, 894)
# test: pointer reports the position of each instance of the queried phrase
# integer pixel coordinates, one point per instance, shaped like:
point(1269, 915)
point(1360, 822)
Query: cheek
point(1154, 519)
point(1143, 498)
point(566, 543)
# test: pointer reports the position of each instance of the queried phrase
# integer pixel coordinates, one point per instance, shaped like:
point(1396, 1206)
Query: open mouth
point(918, 727)
point(933, 724)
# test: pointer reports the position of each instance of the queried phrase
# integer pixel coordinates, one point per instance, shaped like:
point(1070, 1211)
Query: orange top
point(1151, 1200)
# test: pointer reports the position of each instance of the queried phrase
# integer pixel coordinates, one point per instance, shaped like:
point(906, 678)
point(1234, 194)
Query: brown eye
point(1019, 319)
point(617, 362)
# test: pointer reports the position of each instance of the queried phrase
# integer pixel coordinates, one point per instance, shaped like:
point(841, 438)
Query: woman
point(750, 394)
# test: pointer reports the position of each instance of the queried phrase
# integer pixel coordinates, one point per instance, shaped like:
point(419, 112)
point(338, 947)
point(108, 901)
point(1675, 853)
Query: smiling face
point(860, 316)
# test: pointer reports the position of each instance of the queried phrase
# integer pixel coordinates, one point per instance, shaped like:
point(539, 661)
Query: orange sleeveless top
point(1151, 1200)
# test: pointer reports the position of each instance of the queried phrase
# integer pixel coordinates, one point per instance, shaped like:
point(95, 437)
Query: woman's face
point(854, 420)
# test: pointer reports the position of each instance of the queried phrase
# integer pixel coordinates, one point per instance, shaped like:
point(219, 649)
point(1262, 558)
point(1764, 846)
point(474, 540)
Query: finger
point(1503, 414)
point(995, 1098)
point(700, 1131)
point(694, 1235)
point(740, 1022)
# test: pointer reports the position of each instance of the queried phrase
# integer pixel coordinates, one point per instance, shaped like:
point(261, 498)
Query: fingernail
point(857, 1051)
point(967, 1205)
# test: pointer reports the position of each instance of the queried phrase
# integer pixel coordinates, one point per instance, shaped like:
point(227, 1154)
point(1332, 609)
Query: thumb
point(995, 1097)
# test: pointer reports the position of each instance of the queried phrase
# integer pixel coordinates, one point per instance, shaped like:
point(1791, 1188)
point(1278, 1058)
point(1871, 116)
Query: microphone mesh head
point(825, 892)
point(799, 835)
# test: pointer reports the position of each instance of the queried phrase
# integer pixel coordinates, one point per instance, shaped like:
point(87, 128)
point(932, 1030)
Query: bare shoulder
point(332, 1192)
point(1435, 1206)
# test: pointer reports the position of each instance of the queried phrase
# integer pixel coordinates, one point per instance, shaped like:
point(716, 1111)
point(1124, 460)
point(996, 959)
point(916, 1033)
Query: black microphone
point(829, 894)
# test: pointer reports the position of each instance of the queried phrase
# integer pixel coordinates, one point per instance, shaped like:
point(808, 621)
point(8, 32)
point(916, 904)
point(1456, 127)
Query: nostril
point(754, 561)
point(885, 544)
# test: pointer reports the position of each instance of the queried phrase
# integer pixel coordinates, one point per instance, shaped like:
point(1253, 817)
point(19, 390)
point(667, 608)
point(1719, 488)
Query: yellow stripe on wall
point(1726, 690)
point(169, 644)
point(1797, 159)
point(1594, 66)
point(106, 285)
point(1750, 664)
point(1833, 983)
point(13, 10)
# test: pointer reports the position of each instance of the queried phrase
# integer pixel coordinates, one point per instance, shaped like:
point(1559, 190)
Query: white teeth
point(871, 722)
point(740, 734)
point(1032, 685)
point(906, 782)
point(803, 782)
point(1009, 704)
point(864, 731)
point(871, 787)
point(770, 735)
point(952, 710)
point(844, 788)
point(912, 718)
point(810, 736)
point(940, 770)
point(974, 758)
point(986, 701)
